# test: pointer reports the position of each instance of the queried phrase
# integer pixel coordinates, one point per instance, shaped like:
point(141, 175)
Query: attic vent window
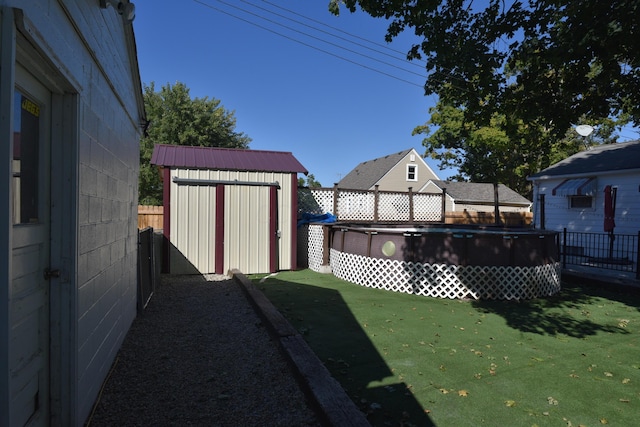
point(412, 172)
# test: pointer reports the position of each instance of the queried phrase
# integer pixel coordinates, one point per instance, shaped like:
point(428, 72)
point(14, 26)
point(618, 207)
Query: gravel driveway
point(200, 355)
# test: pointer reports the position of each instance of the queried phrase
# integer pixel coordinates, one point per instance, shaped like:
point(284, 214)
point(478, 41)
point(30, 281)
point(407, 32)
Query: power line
point(338, 30)
point(450, 72)
point(318, 38)
point(307, 44)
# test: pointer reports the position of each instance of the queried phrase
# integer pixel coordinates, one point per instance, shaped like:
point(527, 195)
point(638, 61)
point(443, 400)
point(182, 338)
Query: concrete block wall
point(88, 47)
point(107, 255)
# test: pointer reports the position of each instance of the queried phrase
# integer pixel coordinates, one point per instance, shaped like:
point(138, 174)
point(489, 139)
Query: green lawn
point(568, 360)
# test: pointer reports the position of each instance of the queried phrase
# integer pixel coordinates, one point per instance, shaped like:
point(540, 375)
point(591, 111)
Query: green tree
point(175, 118)
point(310, 182)
point(552, 59)
point(505, 150)
point(537, 66)
point(502, 150)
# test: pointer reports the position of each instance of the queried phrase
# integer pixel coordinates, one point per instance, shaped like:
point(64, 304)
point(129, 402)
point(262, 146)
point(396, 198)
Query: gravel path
point(200, 355)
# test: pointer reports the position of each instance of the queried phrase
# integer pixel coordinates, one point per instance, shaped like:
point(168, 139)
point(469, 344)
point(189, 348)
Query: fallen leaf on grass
point(626, 381)
point(463, 393)
point(608, 374)
point(510, 403)
point(552, 401)
point(604, 421)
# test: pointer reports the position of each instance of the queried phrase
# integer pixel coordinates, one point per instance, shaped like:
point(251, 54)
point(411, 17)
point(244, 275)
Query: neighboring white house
point(477, 196)
point(71, 119)
point(570, 194)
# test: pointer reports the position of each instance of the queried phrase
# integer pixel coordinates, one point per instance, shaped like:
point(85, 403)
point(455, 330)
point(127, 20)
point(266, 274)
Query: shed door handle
point(51, 273)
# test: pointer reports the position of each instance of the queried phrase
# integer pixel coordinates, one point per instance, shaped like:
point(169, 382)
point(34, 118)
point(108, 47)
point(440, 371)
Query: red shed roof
point(180, 156)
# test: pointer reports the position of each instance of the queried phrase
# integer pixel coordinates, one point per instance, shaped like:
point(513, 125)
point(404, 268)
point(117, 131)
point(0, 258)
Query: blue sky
point(331, 113)
point(332, 108)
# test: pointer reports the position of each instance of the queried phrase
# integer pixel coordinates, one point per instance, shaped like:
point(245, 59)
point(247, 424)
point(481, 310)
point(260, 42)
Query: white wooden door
point(29, 294)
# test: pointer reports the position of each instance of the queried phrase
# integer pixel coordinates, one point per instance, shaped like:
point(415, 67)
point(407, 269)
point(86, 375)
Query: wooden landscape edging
point(332, 403)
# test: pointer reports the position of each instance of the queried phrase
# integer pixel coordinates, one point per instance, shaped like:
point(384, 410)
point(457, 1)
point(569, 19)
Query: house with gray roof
point(571, 193)
point(477, 196)
point(393, 172)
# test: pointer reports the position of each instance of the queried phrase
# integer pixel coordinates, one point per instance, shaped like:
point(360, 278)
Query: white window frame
point(415, 172)
point(571, 199)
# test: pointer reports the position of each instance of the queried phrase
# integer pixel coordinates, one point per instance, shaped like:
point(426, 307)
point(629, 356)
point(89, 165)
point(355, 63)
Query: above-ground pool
point(444, 261)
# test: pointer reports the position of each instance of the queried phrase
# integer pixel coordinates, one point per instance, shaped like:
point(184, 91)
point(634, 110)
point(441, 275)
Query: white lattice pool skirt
point(448, 281)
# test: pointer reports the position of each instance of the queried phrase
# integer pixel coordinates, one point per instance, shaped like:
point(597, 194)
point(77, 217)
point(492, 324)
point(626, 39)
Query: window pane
point(26, 128)
point(411, 172)
point(581, 201)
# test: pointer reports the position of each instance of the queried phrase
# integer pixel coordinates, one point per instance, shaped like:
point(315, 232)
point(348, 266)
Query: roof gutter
point(214, 182)
point(583, 175)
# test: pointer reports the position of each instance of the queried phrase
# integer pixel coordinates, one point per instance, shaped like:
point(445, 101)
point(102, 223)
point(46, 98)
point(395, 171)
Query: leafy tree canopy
point(513, 77)
point(504, 150)
point(175, 118)
point(546, 62)
point(310, 182)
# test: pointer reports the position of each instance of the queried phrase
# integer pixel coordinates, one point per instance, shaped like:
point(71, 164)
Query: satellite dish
point(584, 130)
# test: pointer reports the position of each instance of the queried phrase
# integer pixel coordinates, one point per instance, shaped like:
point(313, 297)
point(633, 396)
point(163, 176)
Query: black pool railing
point(609, 251)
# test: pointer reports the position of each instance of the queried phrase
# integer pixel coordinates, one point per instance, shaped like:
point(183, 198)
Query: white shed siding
point(246, 222)
point(192, 225)
point(558, 215)
point(246, 230)
point(103, 149)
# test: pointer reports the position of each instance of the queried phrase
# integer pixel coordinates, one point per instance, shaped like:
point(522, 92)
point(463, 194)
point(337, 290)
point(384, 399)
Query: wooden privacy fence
point(508, 219)
point(150, 216)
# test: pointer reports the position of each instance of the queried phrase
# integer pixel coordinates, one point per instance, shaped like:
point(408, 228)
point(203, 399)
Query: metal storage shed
point(228, 208)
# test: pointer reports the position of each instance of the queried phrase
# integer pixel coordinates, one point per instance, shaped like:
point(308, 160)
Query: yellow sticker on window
point(30, 107)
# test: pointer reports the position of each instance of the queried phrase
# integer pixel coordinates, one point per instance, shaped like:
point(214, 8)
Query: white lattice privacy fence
point(310, 238)
point(369, 205)
point(439, 280)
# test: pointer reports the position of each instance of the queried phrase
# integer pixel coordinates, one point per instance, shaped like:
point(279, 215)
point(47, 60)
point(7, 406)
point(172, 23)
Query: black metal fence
point(147, 267)
point(619, 252)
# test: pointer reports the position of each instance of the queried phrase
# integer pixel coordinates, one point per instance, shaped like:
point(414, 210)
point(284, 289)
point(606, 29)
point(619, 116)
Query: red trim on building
point(219, 232)
point(273, 229)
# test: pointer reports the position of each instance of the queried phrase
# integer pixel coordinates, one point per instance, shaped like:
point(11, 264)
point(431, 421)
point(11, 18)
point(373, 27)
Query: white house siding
point(396, 178)
point(558, 215)
point(246, 211)
point(86, 45)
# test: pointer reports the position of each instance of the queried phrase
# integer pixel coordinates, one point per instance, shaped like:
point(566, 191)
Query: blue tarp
point(308, 218)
